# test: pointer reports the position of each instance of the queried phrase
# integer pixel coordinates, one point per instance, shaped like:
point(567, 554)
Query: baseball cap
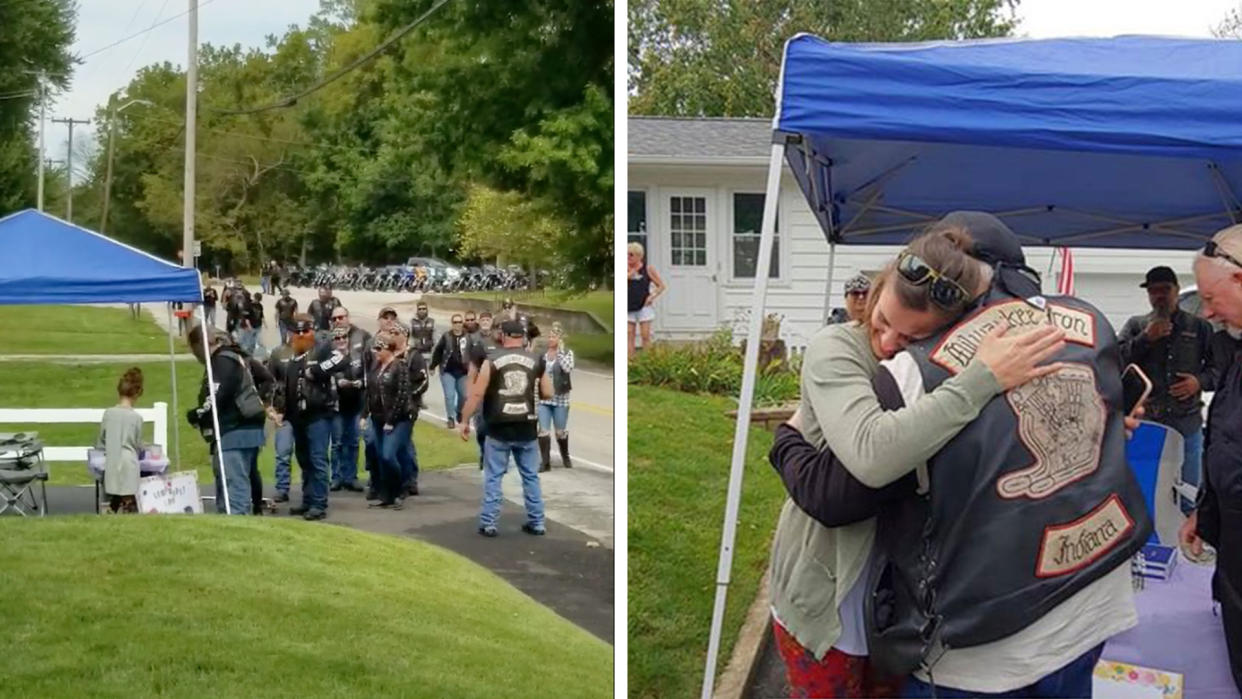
point(303, 326)
point(1160, 275)
point(387, 311)
point(508, 303)
point(513, 328)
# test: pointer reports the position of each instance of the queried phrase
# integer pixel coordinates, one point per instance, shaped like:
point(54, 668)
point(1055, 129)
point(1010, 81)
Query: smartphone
point(1135, 388)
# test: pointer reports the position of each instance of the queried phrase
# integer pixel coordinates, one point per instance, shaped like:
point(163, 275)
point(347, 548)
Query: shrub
point(713, 366)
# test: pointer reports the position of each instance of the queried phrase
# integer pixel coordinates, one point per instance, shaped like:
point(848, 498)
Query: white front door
point(689, 247)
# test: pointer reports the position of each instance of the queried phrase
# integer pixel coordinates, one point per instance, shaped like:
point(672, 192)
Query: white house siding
point(1107, 278)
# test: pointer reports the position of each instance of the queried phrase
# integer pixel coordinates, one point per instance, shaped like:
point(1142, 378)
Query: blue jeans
point(310, 445)
point(372, 454)
point(496, 457)
point(345, 447)
point(1070, 682)
point(391, 449)
point(553, 416)
point(238, 464)
point(284, 453)
point(454, 394)
point(1192, 463)
point(265, 284)
point(409, 460)
point(285, 331)
point(247, 338)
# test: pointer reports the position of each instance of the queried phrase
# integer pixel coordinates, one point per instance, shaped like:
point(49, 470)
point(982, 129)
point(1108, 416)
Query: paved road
point(581, 497)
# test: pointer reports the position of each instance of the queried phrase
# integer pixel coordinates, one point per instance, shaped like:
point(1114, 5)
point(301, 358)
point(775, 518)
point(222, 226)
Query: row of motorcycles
point(412, 278)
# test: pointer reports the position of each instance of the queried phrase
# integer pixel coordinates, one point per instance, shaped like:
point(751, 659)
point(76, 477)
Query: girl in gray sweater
point(120, 437)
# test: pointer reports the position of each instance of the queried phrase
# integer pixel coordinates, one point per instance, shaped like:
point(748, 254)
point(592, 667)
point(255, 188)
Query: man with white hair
point(1218, 518)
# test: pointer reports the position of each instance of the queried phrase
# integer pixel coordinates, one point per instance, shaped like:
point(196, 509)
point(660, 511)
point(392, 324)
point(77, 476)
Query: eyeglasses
point(1214, 250)
point(945, 292)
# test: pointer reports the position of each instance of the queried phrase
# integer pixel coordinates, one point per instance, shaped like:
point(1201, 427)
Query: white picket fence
point(158, 414)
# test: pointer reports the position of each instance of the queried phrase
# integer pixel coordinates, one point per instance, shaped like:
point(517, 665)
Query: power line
point(145, 37)
point(18, 95)
point(293, 99)
point(118, 42)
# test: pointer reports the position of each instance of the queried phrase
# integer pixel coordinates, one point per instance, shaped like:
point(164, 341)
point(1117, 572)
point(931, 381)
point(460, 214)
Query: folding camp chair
point(21, 467)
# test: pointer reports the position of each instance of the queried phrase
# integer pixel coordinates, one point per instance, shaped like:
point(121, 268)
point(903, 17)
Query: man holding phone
point(1173, 348)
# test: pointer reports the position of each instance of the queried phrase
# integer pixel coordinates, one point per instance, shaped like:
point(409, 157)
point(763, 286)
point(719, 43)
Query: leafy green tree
point(723, 57)
point(35, 35)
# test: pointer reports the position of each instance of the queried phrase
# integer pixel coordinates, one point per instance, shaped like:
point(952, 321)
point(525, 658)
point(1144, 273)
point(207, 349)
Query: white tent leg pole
point(742, 428)
point(215, 414)
point(832, 267)
point(176, 412)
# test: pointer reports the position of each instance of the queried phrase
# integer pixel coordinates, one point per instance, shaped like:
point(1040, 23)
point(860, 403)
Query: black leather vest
point(421, 332)
point(1026, 506)
point(510, 396)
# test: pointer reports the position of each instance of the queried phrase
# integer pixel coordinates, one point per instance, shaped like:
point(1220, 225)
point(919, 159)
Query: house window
point(687, 227)
point(637, 219)
point(747, 218)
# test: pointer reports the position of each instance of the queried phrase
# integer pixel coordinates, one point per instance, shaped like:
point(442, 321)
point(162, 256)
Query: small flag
point(1065, 281)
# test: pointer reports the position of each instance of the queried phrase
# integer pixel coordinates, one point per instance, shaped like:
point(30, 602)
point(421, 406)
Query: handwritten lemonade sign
point(1114, 680)
point(175, 493)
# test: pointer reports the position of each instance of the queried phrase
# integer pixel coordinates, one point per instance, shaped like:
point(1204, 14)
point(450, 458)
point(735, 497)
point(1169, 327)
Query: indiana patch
point(961, 344)
point(1066, 548)
point(1061, 421)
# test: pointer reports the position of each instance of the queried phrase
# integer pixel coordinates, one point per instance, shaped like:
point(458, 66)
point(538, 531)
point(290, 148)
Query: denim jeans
point(1070, 682)
point(284, 453)
point(238, 464)
point(454, 395)
point(409, 460)
point(345, 434)
point(553, 416)
point(310, 445)
point(247, 338)
point(391, 449)
point(1192, 463)
point(285, 331)
point(496, 457)
point(372, 454)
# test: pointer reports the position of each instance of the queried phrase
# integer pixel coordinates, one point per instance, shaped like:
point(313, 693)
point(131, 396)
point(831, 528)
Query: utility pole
point(191, 113)
point(69, 169)
point(42, 120)
point(103, 219)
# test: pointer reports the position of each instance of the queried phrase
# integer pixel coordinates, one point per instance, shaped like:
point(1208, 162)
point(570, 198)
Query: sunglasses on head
point(944, 292)
point(1214, 250)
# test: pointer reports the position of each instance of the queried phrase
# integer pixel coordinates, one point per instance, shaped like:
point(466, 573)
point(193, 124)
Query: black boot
point(545, 453)
point(563, 443)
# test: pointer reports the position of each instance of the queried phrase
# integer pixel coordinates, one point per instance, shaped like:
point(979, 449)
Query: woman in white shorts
point(645, 286)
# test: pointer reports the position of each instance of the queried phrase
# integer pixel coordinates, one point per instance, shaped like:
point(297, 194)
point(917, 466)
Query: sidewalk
point(566, 570)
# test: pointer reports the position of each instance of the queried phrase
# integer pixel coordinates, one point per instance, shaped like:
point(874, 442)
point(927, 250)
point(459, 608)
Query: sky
point(248, 22)
point(101, 22)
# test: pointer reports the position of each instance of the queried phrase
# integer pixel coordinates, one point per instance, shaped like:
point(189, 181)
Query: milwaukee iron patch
point(960, 345)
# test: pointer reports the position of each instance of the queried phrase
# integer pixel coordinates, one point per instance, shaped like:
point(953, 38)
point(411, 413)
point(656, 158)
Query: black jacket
point(308, 389)
point(321, 312)
point(286, 308)
point(1187, 349)
point(449, 354)
point(230, 376)
point(388, 394)
point(420, 379)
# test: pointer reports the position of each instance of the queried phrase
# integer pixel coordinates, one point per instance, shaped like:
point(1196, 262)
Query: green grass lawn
point(39, 385)
point(676, 510)
point(256, 607)
point(80, 330)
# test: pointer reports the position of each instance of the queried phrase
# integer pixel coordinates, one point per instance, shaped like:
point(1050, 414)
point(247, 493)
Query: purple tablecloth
point(1178, 632)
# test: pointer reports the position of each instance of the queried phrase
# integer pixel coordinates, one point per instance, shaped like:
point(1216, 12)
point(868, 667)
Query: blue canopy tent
point(1130, 142)
point(45, 260)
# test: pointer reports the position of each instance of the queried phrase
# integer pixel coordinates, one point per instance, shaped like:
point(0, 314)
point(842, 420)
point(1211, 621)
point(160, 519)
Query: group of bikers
point(331, 383)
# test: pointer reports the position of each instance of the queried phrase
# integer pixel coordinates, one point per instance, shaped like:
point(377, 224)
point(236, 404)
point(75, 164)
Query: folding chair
point(21, 467)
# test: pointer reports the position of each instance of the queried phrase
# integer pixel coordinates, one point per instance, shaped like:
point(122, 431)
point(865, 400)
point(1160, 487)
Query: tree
point(723, 57)
point(497, 224)
point(35, 35)
point(1230, 27)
